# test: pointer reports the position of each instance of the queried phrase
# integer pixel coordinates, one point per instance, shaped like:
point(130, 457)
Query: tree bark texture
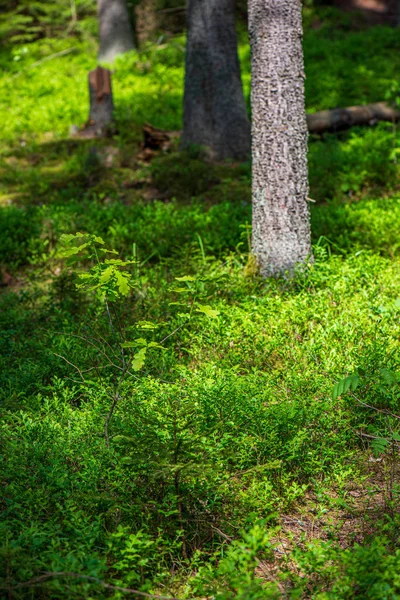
point(115, 29)
point(281, 224)
point(214, 109)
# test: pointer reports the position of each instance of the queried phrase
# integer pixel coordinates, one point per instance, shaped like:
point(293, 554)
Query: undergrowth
point(160, 435)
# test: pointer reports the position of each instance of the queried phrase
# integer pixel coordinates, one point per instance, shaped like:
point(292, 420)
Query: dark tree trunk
point(214, 110)
point(115, 29)
point(281, 226)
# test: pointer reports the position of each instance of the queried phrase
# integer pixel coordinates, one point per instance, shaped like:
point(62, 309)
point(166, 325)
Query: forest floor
point(228, 466)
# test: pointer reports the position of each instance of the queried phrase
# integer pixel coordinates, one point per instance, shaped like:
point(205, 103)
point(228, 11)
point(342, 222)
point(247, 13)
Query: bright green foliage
point(164, 412)
point(369, 571)
point(233, 573)
point(106, 276)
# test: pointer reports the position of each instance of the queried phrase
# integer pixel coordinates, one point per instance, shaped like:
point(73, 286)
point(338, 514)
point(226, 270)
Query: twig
point(99, 338)
point(173, 333)
point(377, 437)
point(380, 410)
point(170, 10)
point(39, 62)
point(70, 363)
point(222, 534)
point(109, 586)
point(108, 419)
point(87, 340)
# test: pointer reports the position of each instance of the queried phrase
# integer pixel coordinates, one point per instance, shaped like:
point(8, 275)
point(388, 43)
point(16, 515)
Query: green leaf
point(135, 343)
point(207, 310)
point(124, 439)
point(106, 275)
point(65, 238)
point(98, 239)
point(139, 359)
point(353, 383)
point(67, 252)
point(117, 261)
point(379, 446)
point(344, 385)
point(389, 377)
point(155, 345)
point(180, 290)
point(123, 283)
point(176, 304)
point(185, 278)
point(146, 325)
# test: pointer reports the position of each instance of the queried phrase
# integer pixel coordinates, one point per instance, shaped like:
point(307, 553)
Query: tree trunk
point(115, 29)
point(214, 110)
point(101, 106)
point(281, 225)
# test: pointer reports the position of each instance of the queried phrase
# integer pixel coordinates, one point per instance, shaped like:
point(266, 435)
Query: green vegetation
point(220, 465)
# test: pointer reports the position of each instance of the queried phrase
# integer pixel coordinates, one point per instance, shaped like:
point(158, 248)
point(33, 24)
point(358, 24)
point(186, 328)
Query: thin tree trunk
point(215, 112)
point(115, 29)
point(281, 225)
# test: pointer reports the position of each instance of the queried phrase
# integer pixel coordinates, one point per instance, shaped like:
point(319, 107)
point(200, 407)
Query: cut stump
point(101, 105)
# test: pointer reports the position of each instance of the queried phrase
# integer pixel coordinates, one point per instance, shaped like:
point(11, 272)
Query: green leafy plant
point(344, 385)
point(383, 431)
point(110, 280)
point(239, 571)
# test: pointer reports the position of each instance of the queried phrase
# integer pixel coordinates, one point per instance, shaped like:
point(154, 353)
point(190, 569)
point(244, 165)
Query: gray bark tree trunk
point(281, 224)
point(115, 29)
point(214, 110)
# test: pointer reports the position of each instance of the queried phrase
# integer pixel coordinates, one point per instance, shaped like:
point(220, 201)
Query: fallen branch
point(45, 59)
point(344, 118)
point(171, 10)
point(323, 121)
point(46, 576)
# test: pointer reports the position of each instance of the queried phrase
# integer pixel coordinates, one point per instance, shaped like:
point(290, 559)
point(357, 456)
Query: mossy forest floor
point(232, 471)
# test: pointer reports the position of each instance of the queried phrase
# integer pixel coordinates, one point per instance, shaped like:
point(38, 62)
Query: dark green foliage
point(22, 21)
point(20, 230)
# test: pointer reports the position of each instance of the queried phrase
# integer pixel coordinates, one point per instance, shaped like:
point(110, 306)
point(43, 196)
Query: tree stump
point(101, 105)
